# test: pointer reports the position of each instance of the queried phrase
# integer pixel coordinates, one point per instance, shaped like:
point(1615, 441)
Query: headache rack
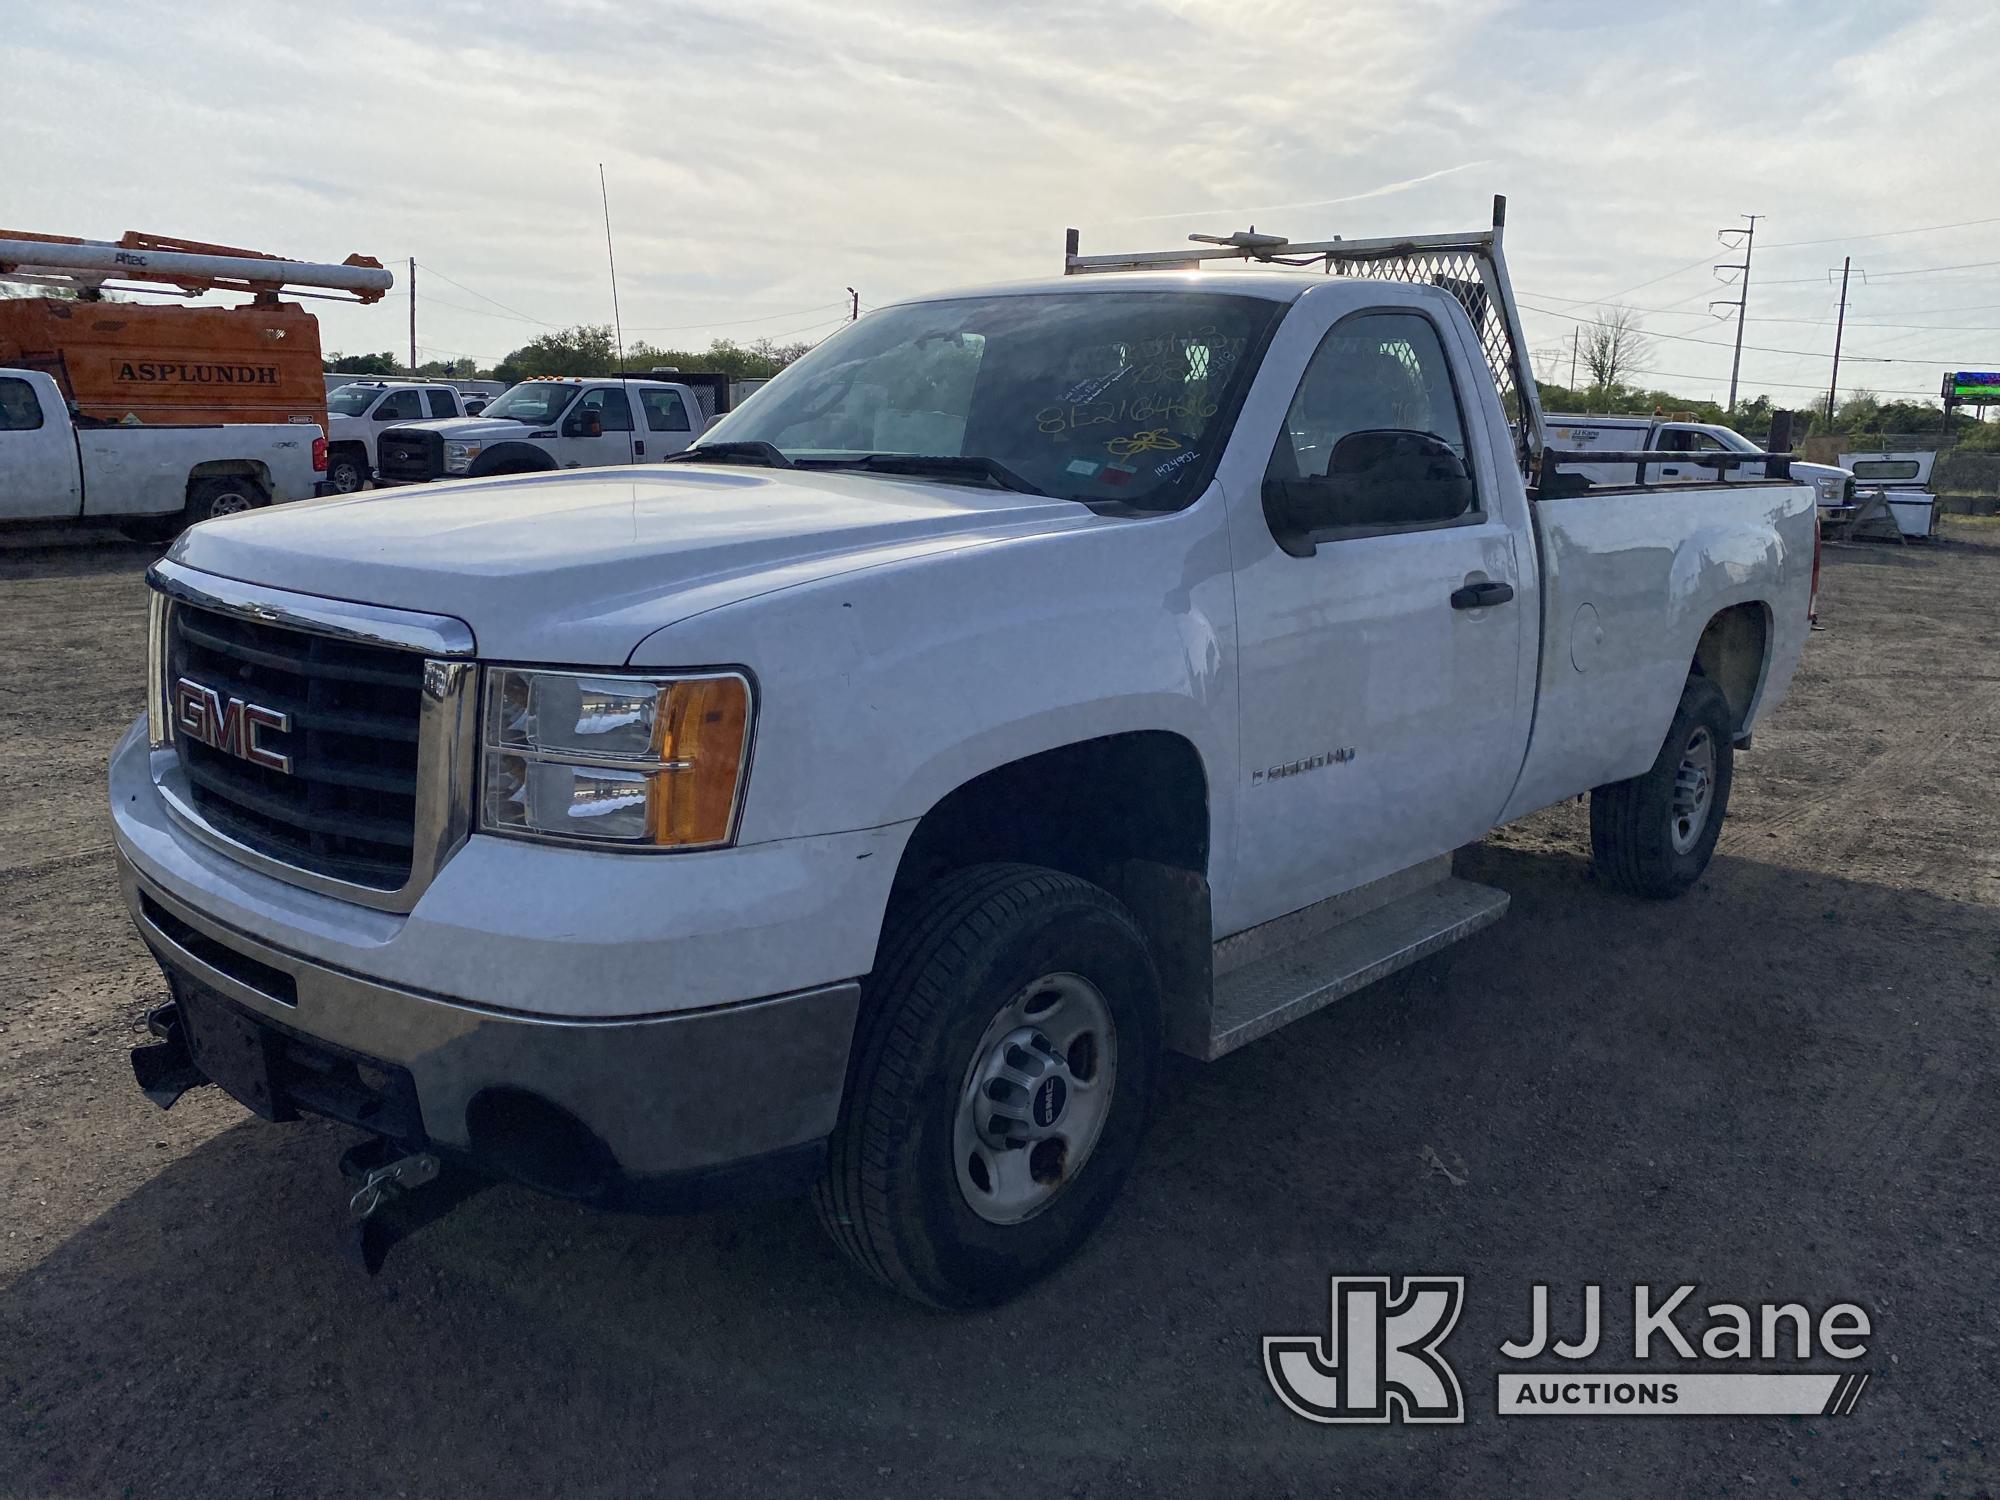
point(1473, 269)
point(1469, 266)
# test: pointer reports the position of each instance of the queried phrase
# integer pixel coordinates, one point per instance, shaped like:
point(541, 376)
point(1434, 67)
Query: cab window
point(665, 411)
point(1374, 438)
point(19, 410)
point(400, 406)
point(441, 404)
point(614, 411)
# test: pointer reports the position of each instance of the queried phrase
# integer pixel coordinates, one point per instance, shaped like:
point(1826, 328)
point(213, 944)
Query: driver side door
point(607, 409)
point(1380, 643)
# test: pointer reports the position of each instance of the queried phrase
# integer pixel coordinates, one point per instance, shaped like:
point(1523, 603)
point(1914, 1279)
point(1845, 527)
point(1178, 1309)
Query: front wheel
point(1654, 834)
point(1003, 1076)
point(346, 472)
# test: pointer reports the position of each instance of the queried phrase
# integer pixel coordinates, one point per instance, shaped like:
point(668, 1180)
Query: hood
point(473, 429)
point(579, 567)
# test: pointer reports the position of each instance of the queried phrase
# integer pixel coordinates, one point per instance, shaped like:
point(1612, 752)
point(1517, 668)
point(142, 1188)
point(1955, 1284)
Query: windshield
point(352, 400)
point(533, 401)
point(1111, 396)
point(1732, 439)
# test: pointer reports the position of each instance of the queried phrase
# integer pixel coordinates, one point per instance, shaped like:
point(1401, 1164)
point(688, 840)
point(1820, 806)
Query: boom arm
point(186, 265)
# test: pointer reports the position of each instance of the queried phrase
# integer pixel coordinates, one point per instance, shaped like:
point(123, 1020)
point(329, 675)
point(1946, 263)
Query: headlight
point(1828, 490)
point(458, 457)
point(646, 762)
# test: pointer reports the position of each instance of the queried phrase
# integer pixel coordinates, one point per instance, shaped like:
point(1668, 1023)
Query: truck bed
point(1611, 668)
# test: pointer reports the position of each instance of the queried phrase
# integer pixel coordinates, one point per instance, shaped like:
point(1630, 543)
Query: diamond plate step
point(1258, 998)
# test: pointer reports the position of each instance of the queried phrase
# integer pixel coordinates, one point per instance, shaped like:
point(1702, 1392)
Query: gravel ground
point(1779, 1087)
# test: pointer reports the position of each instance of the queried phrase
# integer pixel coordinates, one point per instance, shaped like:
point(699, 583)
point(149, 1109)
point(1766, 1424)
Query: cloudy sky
point(764, 155)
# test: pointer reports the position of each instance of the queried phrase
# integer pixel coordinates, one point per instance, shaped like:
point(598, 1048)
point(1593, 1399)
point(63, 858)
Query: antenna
point(617, 323)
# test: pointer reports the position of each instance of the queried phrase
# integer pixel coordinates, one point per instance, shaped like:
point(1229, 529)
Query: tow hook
point(165, 1069)
point(383, 1176)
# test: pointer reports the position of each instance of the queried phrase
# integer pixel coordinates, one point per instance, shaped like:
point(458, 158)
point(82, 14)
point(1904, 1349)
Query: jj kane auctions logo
point(1381, 1359)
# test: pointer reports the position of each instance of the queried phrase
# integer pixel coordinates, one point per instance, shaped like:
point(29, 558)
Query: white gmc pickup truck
point(1027, 680)
point(151, 481)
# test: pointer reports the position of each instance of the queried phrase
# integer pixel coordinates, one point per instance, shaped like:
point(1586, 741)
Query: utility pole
point(1575, 334)
point(1742, 302)
point(1840, 327)
point(853, 305)
point(413, 315)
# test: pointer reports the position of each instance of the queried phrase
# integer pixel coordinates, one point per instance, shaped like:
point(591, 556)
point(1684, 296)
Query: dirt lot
point(1782, 1086)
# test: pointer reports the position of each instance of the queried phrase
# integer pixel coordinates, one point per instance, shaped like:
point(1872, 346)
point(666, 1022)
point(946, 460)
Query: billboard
point(1973, 386)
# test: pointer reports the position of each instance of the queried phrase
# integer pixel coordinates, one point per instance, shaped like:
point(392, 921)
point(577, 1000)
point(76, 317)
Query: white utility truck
point(1681, 451)
point(548, 423)
point(359, 412)
point(1028, 680)
point(151, 481)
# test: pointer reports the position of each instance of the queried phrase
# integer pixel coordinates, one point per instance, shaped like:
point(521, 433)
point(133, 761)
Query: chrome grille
point(403, 454)
point(347, 808)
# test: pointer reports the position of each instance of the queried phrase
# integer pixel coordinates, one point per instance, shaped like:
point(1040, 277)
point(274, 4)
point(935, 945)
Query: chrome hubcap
point(1035, 1097)
point(233, 503)
point(1694, 788)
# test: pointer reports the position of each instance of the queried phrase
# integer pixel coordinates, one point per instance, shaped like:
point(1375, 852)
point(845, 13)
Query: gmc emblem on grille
point(229, 724)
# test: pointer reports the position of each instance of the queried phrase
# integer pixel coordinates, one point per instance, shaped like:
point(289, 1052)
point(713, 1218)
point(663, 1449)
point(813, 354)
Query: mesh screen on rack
point(1463, 275)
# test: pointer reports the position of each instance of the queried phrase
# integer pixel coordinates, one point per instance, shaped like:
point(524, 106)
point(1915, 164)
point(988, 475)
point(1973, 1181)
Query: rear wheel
point(228, 496)
point(1002, 1080)
point(1654, 834)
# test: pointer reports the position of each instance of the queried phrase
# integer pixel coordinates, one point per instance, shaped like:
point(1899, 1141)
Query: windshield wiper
point(936, 466)
point(746, 452)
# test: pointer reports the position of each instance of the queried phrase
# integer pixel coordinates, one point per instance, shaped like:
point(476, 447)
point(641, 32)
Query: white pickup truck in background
point(358, 413)
point(548, 423)
point(1028, 680)
point(1680, 448)
point(152, 480)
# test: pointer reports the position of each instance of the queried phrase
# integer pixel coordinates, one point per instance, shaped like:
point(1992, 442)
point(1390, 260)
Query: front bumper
point(668, 1111)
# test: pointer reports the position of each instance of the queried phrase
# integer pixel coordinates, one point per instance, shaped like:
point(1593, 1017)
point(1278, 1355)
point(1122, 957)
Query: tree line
point(586, 349)
point(1613, 350)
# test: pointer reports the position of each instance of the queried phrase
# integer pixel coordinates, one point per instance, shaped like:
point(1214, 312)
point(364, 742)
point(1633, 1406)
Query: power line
point(484, 298)
point(1682, 338)
point(1883, 234)
point(1974, 265)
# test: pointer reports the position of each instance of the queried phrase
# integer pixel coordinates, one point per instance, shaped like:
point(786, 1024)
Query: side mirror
point(590, 424)
point(382, 413)
point(1379, 477)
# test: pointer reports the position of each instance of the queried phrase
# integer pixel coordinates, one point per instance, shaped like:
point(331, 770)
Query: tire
point(229, 496)
point(1654, 834)
point(347, 472)
point(961, 973)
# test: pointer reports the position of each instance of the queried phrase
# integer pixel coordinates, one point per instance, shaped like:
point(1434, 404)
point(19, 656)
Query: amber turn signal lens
point(704, 736)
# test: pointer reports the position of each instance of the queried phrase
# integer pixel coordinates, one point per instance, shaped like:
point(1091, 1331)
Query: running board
point(1256, 998)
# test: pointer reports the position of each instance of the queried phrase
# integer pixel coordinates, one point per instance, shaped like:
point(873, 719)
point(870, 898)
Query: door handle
point(639, 447)
point(1479, 595)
